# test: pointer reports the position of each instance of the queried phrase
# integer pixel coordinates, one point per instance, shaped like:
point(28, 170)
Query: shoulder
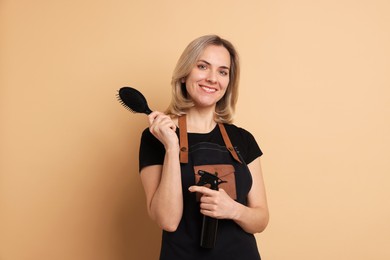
point(238, 132)
point(148, 140)
point(151, 151)
point(146, 133)
point(147, 136)
point(244, 142)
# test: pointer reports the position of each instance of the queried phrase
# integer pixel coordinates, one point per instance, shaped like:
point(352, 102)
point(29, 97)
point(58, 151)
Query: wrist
point(237, 211)
point(172, 149)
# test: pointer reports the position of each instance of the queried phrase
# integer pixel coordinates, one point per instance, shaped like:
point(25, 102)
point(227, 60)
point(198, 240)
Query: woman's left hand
point(215, 203)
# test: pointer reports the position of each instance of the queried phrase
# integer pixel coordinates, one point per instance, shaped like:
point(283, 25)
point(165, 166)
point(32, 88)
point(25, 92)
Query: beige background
point(315, 91)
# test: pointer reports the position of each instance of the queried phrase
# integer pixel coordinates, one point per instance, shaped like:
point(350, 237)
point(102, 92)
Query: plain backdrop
point(315, 92)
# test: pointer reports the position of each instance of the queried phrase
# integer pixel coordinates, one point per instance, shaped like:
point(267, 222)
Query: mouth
point(208, 89)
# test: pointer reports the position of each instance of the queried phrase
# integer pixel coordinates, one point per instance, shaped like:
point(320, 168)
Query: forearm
point(254, 217)
point(252, 220)
point(166, 206)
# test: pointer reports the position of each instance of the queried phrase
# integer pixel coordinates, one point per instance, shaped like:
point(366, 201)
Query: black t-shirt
point(184, 242)
point(152, 151)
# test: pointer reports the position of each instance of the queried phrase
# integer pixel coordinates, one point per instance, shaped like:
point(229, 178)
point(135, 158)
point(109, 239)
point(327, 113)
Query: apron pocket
point(225, 172)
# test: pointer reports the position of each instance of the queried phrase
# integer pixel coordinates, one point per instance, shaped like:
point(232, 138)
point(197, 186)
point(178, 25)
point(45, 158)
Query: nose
point(212, 77)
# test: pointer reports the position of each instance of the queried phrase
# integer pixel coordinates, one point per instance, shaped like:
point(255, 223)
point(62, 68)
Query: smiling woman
point(205, 84)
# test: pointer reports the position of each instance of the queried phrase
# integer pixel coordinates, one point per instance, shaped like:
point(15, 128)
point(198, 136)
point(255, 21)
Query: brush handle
point(148, 111)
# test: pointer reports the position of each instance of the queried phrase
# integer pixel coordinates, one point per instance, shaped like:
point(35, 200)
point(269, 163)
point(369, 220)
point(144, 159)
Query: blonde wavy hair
point(180, 101)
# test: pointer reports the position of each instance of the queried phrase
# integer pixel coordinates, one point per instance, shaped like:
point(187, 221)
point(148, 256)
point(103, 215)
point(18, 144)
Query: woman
point(196, 134)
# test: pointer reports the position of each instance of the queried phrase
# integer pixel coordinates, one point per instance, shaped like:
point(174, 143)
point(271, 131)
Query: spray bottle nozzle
point(209, 178)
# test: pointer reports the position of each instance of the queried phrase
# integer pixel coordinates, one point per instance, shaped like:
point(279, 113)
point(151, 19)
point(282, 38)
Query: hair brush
point(133, 100)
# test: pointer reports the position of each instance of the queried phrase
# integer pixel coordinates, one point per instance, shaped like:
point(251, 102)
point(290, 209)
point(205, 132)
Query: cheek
point(195, 75)
point(225, 83)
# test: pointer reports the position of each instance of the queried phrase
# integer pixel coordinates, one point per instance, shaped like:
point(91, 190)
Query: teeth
point(210, 90)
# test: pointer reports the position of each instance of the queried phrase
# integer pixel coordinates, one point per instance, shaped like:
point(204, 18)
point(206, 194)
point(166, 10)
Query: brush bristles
point(123, 104)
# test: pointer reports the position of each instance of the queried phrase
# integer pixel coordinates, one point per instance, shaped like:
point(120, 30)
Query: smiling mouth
point(208, 90)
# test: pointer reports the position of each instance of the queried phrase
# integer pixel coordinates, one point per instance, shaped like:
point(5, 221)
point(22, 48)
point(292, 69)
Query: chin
point(206, 103)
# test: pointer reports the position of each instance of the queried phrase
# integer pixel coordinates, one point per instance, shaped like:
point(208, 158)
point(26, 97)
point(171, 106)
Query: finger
point(201, 189)
point(167, 121)
point(158, 118)
point(206, 206)
point(208, 213)
point(152, 116)
point(173, 126)
point(205, 199)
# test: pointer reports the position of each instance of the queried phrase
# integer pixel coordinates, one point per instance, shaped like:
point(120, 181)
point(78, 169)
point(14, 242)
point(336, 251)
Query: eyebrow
point(208, 63)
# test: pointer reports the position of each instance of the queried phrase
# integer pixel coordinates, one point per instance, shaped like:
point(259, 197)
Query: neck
point(200, 121)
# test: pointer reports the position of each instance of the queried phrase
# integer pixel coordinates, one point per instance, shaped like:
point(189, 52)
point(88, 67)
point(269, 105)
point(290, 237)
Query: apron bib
point(232, 241)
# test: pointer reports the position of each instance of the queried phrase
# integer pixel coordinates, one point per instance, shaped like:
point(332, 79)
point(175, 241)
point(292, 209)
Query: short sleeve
point(245, 143)
point(151, 151)
point(253, 149)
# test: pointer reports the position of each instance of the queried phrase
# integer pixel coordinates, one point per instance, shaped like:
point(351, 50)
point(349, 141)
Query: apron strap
point(183, 139)
point(228, 144)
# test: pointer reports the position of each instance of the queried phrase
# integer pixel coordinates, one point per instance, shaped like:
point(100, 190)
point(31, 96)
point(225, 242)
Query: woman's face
point(208, 80)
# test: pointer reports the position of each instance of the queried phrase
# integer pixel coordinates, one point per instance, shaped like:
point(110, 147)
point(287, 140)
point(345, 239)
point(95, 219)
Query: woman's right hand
point(164, 129)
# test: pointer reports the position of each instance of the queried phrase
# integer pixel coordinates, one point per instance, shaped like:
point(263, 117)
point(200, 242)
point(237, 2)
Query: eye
point(224, 72)
point(202, 66)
